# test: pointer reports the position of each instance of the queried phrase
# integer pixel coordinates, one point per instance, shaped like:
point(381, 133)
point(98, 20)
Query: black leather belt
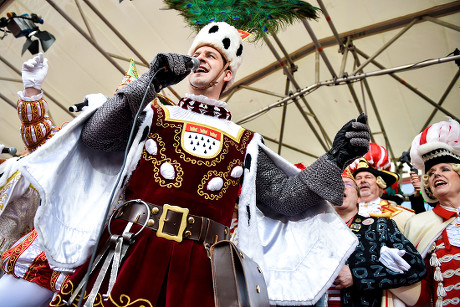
point(173, 222)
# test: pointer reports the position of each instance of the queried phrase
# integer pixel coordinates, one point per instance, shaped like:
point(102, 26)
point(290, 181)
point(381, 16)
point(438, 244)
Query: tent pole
point(89, 39)
point(443, 98)
point(285, 53)
point(376, 110)
point(290, 147)
point(291, 78)
point(18, 80)
point(319, 47)
point(413, 66)
point(363, 32)
point(442, 23)
point(292, 69)
point(385, 46)
point(283, 118)
point(317, 66)
point(391, 71)
point(345, 56)
point(77, 3)
point(10, 102)
point(331, 25)
point(262, 91)
point(127, 60)
point(114, 30)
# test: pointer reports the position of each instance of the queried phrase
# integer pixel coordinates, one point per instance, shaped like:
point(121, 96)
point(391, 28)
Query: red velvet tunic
point(157, 271)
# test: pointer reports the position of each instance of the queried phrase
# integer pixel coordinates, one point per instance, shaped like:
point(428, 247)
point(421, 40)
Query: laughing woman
point(436, 233)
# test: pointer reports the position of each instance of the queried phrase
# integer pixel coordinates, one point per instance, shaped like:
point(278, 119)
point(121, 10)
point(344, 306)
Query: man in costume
point(383, 259)
point(182, 177)
point(29, 280)
point(373, 177)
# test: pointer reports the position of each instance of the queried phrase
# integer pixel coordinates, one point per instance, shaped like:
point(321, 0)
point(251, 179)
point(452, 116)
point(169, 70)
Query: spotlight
point(25, 25)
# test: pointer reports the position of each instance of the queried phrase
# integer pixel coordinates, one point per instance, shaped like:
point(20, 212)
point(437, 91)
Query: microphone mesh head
point(195, 63)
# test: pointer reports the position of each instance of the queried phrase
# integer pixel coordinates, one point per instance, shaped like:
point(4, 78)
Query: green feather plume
point(256, 17)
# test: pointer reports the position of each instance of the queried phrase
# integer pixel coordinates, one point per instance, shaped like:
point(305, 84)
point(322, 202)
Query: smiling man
point(371, 184)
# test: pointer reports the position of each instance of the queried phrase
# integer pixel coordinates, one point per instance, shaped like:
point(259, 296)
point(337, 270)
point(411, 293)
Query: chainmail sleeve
point(291, 196)
point(109, 127)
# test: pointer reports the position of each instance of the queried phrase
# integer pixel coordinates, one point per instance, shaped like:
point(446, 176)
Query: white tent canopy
point(392, 59)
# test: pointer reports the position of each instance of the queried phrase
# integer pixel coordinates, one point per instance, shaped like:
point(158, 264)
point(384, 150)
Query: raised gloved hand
point(34, 71)
point(393, 260)
point(175, 72)
point(351, 142)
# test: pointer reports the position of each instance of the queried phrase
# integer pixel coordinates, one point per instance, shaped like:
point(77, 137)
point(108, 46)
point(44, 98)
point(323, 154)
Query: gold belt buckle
point(183, 223)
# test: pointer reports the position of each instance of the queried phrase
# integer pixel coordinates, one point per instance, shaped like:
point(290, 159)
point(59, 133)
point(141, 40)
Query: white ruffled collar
point(206, 100)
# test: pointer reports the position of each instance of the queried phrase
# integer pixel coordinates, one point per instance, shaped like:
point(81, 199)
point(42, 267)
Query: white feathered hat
point(226, 39)
point(439, 143)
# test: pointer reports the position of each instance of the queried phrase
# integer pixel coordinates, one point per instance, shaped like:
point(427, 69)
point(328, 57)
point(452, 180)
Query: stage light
point(25, 25)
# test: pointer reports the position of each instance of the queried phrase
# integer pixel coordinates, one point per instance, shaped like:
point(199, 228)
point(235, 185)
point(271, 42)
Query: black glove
point(351, 142)
point(175, 72)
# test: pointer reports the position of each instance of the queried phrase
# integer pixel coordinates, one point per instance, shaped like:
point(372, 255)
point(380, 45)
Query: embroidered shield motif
point(201, 141)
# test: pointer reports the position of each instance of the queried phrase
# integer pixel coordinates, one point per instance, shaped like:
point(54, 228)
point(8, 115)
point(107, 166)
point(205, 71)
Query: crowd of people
point(161, 183)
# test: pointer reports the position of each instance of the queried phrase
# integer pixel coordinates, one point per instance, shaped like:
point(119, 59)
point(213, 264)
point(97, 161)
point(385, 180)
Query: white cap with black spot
point(226, 39)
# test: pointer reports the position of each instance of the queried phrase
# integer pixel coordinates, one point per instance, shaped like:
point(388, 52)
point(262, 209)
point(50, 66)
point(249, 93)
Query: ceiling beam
point(384, 26)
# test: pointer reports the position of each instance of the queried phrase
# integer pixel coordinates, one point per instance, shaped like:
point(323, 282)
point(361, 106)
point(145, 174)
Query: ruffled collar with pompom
point(204, 105)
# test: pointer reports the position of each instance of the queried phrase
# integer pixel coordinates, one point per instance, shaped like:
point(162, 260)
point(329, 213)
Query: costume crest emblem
point(201, 141)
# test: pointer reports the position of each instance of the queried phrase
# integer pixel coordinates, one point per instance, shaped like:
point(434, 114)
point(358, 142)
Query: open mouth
point(202, 69)
point(439, 182)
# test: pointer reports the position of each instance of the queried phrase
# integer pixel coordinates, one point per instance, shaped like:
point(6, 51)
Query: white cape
point(300, 259)
point(75, 184)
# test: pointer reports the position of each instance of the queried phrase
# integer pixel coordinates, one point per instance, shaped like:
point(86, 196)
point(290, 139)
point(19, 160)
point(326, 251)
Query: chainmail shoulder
point(291, 196)
point(109, 127)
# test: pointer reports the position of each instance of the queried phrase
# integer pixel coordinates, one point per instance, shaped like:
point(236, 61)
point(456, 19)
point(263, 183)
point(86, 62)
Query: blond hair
point(455, 167)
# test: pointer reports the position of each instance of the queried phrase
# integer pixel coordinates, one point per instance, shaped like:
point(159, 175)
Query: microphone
point(9, 150)
point(192, 64)
point(405, 158)
point(78, 106)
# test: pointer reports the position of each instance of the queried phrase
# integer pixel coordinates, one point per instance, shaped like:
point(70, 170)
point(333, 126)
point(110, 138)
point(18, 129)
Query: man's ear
point(228, 75)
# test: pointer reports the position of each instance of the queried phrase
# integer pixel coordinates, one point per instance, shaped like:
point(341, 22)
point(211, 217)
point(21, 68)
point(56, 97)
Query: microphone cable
point(128, 146)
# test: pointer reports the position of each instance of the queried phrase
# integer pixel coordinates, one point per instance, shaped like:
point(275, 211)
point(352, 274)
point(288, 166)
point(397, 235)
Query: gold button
point(242, 255)
point(150, 223)
point(187, 234)
point(155, 210)
point(226, 231)
point(258, 289)
point(259, 269)
point(191, 220)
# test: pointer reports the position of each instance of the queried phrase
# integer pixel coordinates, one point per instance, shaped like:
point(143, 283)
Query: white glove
point(34, 71)
point(392, 259)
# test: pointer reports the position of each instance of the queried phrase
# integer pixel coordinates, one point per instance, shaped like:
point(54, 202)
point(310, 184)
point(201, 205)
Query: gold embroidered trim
point(32, 271)
point(244, 136)
point(124, 300)
point(226, 178)
point(168, 118)
point(4, 190)
point(162, 158)
point(12, 255)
